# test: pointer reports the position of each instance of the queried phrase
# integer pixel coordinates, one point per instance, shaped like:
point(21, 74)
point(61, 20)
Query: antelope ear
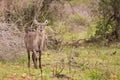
point(36, 22)
point(46, 22)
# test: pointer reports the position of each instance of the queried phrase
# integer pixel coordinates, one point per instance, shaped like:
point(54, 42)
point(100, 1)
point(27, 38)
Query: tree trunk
point(116, 11)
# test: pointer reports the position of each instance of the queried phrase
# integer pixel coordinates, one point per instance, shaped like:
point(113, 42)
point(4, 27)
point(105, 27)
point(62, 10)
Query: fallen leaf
point(24, 75)
point(18, 67)
point(27, 78)
point(14, 74)
point(112, 76)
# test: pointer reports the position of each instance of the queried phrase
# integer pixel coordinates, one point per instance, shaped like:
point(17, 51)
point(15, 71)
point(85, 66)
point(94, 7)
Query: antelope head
point(41, 26)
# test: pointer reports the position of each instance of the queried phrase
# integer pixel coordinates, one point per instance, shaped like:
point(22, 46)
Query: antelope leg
point(28, 58)
point(34, 57)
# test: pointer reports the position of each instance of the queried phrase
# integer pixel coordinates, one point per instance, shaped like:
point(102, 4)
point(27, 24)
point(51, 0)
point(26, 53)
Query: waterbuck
point(34, 42)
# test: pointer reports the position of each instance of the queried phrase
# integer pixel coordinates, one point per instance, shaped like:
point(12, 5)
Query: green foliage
point(108, 22)
point(21, 60)
point(80, 1)
point(67, 34)
point(94, 75)
point(89, 65)
point(30, 4)
point(103, 28)
point(83, 66)
point(91, 31)
point(79, 20)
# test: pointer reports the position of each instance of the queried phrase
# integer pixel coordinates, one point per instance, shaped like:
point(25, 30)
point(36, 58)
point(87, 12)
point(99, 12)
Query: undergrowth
point(83, 63)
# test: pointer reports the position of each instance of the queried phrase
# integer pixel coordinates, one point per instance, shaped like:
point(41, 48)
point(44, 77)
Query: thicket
point(107, 20)
point(23, 12)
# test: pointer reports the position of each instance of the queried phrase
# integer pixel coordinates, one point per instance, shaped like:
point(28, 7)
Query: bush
point(102, 28)
point(79, 20)
point(91, 31)
point(94, 75)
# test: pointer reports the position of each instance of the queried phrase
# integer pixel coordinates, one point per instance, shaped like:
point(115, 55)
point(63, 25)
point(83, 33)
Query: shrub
point(79, 20)
point(91, 31)
point(94, 75)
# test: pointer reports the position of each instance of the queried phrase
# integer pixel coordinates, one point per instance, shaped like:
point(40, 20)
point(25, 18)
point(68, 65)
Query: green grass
point(83, 63)
point(81, 1)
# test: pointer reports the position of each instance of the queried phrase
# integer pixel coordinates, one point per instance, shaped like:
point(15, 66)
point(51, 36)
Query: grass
point(83, 63)
point(81, 1)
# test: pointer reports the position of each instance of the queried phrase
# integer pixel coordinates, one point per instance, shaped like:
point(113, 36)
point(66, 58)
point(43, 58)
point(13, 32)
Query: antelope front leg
point(28, 58)
point(34, 57)
point(40, 60)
